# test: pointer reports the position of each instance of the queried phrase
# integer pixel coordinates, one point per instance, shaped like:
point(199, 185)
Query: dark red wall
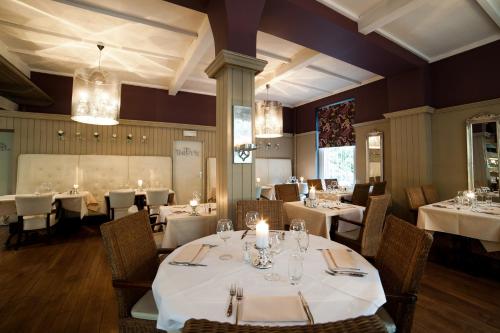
point(371, 103)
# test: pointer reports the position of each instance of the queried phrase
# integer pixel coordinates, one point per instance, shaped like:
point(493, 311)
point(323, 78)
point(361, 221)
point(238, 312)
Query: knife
point(244, 234)
point(175, 263)
point(306, 309)
point(334, 273)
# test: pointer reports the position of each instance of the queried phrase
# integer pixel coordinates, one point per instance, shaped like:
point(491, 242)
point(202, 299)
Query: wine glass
point(251, 219)
point(274, 250)
point(197, 196)
point(224, 231)
point(295, 268)
point(297, 225)
point(303, 241)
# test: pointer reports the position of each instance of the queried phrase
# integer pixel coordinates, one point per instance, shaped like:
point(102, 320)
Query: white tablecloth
point(334, 195)
point(183, 228)
point(319, 220)
point(268, 191)
point(482, 224)
point(182, 293)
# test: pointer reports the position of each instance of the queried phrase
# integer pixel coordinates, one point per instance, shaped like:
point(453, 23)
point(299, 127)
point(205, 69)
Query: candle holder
point(262, 260)
point(311, 203)
point(75, 189)
point(194, 210)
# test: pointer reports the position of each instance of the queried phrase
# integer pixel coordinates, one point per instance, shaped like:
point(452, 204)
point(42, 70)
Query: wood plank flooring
point(66, 287)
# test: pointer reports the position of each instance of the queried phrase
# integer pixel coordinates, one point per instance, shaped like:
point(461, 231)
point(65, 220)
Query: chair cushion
point(386, 318)
point(145, 308)
point(121, 212)
point(35, 222)
point(352, 234)
point(158, 237)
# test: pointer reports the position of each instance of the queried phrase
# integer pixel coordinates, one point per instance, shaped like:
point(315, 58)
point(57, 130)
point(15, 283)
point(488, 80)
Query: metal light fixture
point(96, 96)
point(268, 118)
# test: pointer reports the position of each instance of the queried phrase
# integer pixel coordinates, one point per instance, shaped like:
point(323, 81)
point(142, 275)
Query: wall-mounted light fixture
point(60, 135)
point(96, 136)
point(244, 150)
point(242, 134)
point(113, 137)
point(144, 139)
point(130, 138)
point(78, 136)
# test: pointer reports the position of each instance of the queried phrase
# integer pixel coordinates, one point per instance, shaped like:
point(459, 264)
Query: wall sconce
point(78, 136)
point(113, 137)
point(96, 136)
point(244, 150)
point(130, 137)
point(144, 139)
point(60, 134)
point(242, 134)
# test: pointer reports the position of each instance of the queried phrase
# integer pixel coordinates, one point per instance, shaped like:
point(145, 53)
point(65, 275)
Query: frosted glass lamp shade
point(268, 119)
point(96, 97)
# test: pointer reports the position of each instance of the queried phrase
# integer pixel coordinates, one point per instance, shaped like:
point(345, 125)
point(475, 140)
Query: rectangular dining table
point(482, 222)
point(140, 200)
point(319, 219)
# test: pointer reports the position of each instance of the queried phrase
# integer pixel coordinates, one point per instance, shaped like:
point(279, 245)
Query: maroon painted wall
point(371, 103)
point(468, 77)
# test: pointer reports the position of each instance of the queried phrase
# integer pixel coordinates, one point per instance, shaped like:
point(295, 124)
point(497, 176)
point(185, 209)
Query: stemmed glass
point(296, 226)
point(295, 268)
point(303, 241)
point(274, 250)
point(224, 231)
point(251, 219)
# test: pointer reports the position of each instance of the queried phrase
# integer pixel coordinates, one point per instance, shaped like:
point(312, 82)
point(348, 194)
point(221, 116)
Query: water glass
point(488, 200)
point(295, 268)
point(224, 231)
point(297, 225)
point(251, 219)
point(274, 250)
point(303, 241)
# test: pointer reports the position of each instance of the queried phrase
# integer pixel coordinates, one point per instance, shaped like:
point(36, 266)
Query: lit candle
point(139, 183)
point(193, 203)
point(262, 234)
point(312, 193)
point(75, 187)
point(471, 195)
point(301, 179)
point(258, 180)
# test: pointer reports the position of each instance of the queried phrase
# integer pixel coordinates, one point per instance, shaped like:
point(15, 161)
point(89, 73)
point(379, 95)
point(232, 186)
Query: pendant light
point(96, 95)
point(268, 118)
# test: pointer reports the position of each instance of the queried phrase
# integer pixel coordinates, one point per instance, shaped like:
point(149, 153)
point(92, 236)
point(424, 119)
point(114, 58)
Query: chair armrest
point(158, 223)
point(164, 250)
point(154, 214)
point(132, 284)
point(402, 298)
point(350, 221)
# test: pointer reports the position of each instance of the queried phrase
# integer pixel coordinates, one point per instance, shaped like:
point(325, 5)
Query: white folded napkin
point(272, 309)
point(192, 253)
point(338, 259)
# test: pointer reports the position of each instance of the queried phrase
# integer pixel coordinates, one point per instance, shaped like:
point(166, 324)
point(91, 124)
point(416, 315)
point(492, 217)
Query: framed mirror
point(375, 157)
point(482, 151)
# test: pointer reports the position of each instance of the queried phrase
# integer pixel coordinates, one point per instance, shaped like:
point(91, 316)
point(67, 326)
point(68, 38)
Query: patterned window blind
point(335, 124)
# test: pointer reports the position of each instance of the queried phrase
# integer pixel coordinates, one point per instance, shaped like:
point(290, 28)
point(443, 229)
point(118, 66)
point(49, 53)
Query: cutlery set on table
point(191, 255)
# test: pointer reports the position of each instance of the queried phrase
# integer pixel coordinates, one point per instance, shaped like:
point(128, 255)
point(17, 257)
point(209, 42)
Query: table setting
point(266, 277)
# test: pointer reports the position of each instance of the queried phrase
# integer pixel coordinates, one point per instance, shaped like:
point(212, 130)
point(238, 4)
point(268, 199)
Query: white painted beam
point(126, 17)
point(336, 75)
point(386, 12)
point(302, 59)
point(273, 56)
point(14, 59)
point(7, 104)
point(193, 55)
point(492, 8)
point(302, 85)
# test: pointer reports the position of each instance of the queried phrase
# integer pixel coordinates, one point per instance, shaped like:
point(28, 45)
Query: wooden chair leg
point(47, 224)
point(20, 230)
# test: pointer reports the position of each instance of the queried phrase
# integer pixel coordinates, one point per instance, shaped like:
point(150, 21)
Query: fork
point(239, 297)
point(232, 293)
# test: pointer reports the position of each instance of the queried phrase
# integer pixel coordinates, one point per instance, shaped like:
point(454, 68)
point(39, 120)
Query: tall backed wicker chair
point(430, 194)
point(332, 182)
point(269, 210)
point(360, 194)
point(317, 183)
point(415, 197)
point(133, 257)
point(287, 192)
point(366, 239)
point(365, 324)
point(379, 188)
point(401, 261)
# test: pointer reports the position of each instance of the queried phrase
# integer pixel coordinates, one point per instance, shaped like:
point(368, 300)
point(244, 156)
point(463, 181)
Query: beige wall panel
point(306, 155)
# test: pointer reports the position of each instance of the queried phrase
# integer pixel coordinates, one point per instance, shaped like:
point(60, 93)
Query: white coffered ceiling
point(158, 44)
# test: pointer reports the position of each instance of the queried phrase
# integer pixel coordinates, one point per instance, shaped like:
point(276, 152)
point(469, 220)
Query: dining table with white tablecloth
point(319, 219)
point(183, 292)
point(481, 222)
point(334, 195)
point(182, 227)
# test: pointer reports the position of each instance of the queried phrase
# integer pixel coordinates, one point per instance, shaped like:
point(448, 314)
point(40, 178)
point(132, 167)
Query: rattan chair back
point(415, 197)
point(317, 183)
point(287, 192)
point(360, 194)
point(401, 261)
point(430, 194)
point(379, 188)
point(332, 182)
point(373, 224)
point(269, 210)
point(132, 255)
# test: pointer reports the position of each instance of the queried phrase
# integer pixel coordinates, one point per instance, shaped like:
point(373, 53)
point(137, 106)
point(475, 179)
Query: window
point(338, 162)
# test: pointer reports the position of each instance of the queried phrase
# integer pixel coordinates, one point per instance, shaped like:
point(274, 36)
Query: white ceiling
point(158, 44)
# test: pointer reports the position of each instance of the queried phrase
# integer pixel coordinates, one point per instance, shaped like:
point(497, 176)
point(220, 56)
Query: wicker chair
point(401, 261)
point(332, 182)
point(430, 194)
point(269, 210)
point(379, 188)
point(366, 239)
point(287, 192)
point(317, 183)
point(360, 194)
point(365, 324)
point(133, 257)
point(416, 199)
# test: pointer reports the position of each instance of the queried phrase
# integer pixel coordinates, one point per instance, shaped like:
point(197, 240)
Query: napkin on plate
point(192, 253)
point(272, 309)
point(338, 259)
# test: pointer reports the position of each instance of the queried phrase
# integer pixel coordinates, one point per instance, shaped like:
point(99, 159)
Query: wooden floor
point(65, 287)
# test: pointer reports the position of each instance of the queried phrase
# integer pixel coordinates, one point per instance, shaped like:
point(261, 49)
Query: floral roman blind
point(335, 124)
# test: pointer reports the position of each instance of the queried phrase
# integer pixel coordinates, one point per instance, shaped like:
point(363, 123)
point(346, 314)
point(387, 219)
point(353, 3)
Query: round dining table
point(182, 292)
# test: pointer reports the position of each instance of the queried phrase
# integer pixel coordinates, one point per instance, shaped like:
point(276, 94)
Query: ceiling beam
point(193, 55)
point(127, 17)
point(273, 56)
point(304, 86)
point(14, 59)
point(492, 8)
point(386, 12)
point(330, 73)
point(302, 59)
